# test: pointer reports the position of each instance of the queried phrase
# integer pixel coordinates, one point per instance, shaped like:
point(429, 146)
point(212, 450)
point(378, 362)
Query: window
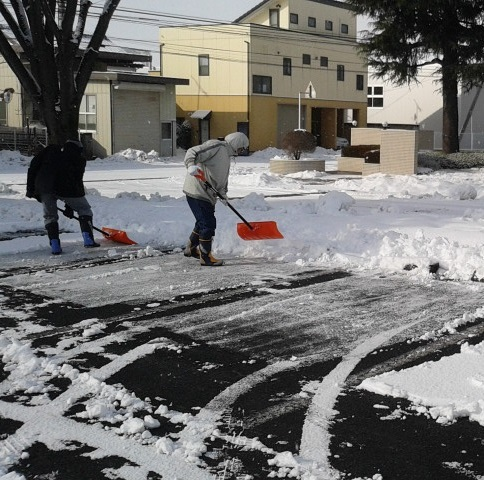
point(375, 97)
point(323, 61)
point(340, 73)
point(328, 25)
point(87, 114)
point(274, 17)
point(306, 59)
point(344, 28)
point(286, 66)
point(311, 22)
point(359, 82)
point(203, 65)
point(294, 18)
point(3, 113)
point(262, 84)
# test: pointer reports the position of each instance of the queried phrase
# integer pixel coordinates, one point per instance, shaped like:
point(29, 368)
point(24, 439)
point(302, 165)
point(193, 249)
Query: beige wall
point(228, 52)
point(237, 53)
point(102, 137)
point(14, 108)
point(398, 151)
point(305, 9)
point(181, 47)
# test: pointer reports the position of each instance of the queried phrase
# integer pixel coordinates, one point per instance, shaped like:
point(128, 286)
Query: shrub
point(296, 142)
point(358, 151)
point(184, 135)
point(451, 161)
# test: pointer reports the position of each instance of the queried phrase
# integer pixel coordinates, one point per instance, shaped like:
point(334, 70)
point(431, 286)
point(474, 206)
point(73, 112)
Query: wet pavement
point(227, 363)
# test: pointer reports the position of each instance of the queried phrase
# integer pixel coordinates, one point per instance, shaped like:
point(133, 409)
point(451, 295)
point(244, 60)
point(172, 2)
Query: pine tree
point(406, 35)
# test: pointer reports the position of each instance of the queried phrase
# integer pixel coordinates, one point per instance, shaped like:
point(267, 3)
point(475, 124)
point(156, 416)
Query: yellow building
point(284, 64)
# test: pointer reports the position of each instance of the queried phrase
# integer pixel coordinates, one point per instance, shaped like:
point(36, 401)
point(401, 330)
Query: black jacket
point(58, 171)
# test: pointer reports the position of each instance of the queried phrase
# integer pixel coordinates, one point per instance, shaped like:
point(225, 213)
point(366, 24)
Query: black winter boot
point(191, 250)
point(206, 257)
point(53, 234)
point(85, 221)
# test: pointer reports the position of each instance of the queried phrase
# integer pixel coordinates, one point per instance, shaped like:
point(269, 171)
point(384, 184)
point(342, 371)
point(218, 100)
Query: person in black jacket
point(56, 173)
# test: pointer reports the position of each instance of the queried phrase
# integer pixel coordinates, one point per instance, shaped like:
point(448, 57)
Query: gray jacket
point(213, 157)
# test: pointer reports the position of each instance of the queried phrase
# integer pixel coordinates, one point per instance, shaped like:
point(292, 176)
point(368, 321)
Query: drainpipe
point(248, 83)
point(111, 108)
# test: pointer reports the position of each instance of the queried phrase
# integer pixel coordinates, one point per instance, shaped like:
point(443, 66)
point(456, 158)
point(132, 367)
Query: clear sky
point(138, 20)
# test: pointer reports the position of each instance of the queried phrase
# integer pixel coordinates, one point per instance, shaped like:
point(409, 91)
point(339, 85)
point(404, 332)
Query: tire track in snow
point(315, 441)
point(47, 424)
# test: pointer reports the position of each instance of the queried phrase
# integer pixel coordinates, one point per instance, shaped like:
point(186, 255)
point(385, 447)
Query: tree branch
point(13, 60)
point(23, 36)
point(92, 50)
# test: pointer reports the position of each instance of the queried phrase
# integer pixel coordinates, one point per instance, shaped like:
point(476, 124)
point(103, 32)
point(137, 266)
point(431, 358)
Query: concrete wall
point(398, 152)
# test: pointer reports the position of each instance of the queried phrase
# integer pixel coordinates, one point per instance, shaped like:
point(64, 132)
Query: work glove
point(68, 212)
point(195, 171)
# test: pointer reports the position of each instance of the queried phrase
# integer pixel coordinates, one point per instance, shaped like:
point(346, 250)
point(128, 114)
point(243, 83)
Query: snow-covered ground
point(381, 223)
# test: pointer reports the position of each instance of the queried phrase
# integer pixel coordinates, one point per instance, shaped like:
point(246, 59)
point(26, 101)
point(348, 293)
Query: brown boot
point(192, 250)
point(206, 257)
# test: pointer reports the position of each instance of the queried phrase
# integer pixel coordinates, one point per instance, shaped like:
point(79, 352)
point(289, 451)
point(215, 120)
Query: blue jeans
point(204, 213)
point(49, 203)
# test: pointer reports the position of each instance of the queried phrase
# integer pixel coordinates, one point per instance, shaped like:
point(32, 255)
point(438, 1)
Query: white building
point(419, 106)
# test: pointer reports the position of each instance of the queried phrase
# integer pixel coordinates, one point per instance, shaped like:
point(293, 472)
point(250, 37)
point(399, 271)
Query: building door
point(287, 120)
point(316, 124)
point(243, 127)
point(167, 135)
point(204, 130)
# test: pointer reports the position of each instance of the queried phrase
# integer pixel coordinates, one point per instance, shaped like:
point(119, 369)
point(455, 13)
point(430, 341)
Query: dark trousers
point(204, 213)
point(49, 203)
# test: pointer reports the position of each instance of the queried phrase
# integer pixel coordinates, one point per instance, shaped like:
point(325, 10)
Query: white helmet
point(237, 141)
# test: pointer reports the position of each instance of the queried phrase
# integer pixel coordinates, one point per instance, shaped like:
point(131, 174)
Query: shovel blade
point(119, 236)
point(259, 231)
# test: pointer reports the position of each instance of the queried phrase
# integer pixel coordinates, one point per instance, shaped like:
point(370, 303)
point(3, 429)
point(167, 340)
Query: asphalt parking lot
point(224, 367)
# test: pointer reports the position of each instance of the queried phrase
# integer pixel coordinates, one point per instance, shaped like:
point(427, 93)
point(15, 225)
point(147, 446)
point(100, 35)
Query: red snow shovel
point(246, 230)
point(119, 236)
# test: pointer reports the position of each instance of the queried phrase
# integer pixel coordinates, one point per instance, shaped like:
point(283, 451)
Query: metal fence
point(27, 141)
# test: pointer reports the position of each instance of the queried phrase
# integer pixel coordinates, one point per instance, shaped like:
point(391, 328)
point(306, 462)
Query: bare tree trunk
point(450, 112)
point(57, 71)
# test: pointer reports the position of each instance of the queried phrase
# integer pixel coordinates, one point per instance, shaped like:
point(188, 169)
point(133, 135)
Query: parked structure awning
point(201, 114)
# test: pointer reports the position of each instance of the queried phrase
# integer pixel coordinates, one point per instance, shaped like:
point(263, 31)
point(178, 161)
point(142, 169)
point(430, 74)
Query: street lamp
point(310, 93)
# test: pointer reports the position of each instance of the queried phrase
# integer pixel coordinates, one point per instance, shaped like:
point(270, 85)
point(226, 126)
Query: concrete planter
point(283, 166)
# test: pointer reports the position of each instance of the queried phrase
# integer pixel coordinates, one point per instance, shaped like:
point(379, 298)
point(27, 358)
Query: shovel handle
point(201, 176)
point(93, 227)
point(219, 195)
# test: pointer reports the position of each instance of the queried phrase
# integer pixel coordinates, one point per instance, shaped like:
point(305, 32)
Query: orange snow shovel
point(246, 231)
point(119, 236)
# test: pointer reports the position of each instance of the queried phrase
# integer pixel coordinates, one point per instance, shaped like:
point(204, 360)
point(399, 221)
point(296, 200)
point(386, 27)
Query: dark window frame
point(360, 82)
point(287, 66)
point(312, 22)
point(204, 69)
point(274, 12)
point(375, 97)
point(340, 73)
point(345, 28)
point(328, 25)
point(323, 61)
point(294, 18)
point(306, 59)
point(261, 83)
